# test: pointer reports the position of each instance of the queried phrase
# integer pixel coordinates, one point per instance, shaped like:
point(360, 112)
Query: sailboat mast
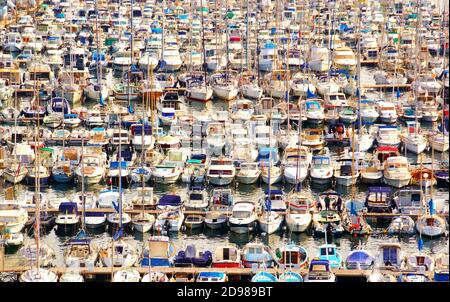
point(203, 44)
point(358, 90)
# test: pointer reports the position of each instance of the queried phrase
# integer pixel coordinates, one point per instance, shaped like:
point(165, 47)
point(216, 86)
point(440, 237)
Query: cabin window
point(241, 214)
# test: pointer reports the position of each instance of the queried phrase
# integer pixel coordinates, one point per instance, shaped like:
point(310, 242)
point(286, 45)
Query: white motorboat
point(221, 171)
point(12, 217)
point(248, 173)
point(270, 221)
point(296, 161)
point(431, 225)
point(298, 217)
point(119, 254)
point(142, 222)
point(322, 169)
point(170, 221)
point(243, 217)
point(38, 275)
point(396, 171)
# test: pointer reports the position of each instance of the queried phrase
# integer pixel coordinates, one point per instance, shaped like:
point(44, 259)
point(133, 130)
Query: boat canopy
point(117, 164)
point(170, 200)
point(68, 207)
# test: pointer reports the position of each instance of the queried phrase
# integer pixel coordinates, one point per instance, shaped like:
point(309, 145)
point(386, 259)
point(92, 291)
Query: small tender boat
point(170, 221)
point(212, 277)
point(155, 277)
point(257, 254)
point(290, 277)
point(191, 257)
point(264, 277)
point(216, 217)
point(413, 277)
point(359, 259)
point(227, 255)
point(320, 271)
point(142, 222)
point(355, 223)
point(127, 275)
point(194, 221)
point(38, 275)
point(431, 225)
point(71, 277)
point(123, 255)
point(402, 225)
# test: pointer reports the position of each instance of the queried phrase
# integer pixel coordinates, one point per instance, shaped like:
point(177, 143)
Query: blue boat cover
point(117, 164)
point(68, 207)
point(170, 200)
point(274, 192)
point(358, 256)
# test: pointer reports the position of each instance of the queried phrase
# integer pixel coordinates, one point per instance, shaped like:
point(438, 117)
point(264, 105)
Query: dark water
point(207, 239)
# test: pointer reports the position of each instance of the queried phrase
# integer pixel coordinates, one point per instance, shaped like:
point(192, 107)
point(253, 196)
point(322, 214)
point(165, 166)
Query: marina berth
point(224, 141)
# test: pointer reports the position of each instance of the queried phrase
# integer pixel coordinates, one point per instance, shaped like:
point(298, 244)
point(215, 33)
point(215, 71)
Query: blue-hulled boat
point(158, 251)
point(290, 277)
point(264, 277)
point(212, 277)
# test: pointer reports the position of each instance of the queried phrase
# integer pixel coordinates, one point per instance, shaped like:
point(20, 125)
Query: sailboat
point(36, 273)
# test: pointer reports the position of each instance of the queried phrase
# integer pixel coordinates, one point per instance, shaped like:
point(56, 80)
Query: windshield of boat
point(241, 214)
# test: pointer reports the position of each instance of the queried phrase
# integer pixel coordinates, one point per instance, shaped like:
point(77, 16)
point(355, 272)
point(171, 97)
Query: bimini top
point(68, 207)
point(170, 200)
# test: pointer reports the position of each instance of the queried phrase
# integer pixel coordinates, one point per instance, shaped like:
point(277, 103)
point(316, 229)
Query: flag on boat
point(309, 94)
point(398, 93)
point(130, 108)
point(420, 243)
point(118, 234)
point(116, 206)
point(431, 206)
point(353, 209)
